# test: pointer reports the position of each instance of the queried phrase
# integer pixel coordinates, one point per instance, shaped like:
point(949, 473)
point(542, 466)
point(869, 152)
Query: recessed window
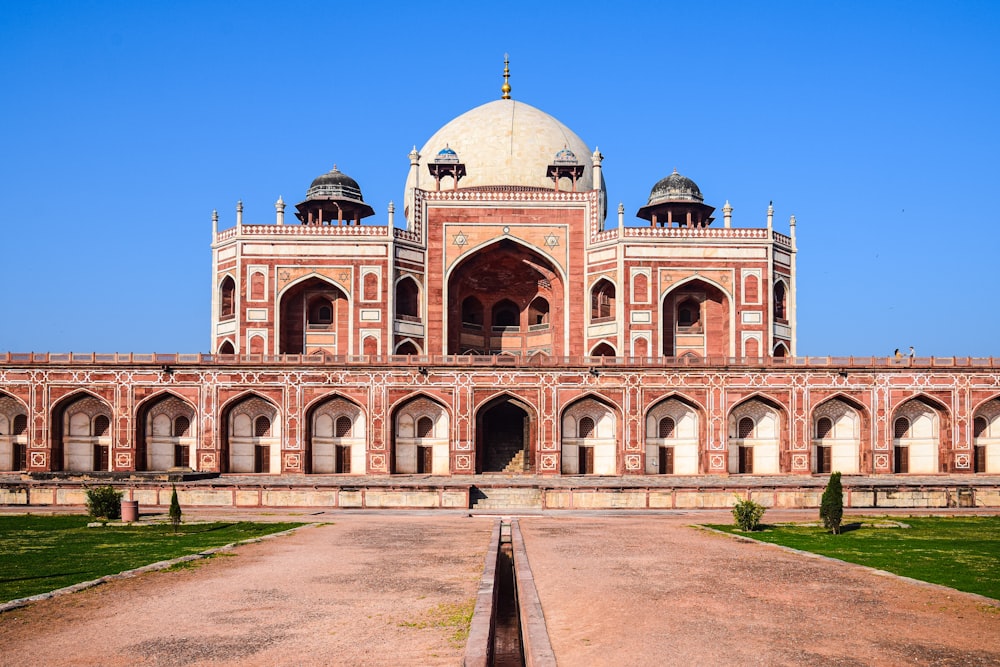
point(407, 299)
point(667, 426)
point(425, 427)
point(20, 425)
point(343, 427)
point(181, 427)
point(506, 314)
point(472, 312)
point(262, 427)
point(227, 298)
point(602, 301)
point(101, 425)
point(586, 427)
point(745, 429)
point(779, 301)
point(823, 427)
point(978, 429)
point(901, 428)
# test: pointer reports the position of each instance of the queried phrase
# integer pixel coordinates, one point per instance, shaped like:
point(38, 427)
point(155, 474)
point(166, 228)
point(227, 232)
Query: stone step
point(499, 498)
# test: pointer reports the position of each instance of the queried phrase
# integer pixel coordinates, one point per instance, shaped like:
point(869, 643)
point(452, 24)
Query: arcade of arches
point(507, 435)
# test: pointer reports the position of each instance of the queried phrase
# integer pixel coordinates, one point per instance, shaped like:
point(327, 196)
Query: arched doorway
point(589, 443)
point(251, 437)
point(672, 436)
point(420, 443)
point(336, 437)
point(837, 429)
point(81, 434)
point(756, 427)
point(13, 434)
point(986, 437)
point(695, 319)
point(315, 318)
point(503, 437)
point(505, 298)
point(165, 434)
point(917, 437)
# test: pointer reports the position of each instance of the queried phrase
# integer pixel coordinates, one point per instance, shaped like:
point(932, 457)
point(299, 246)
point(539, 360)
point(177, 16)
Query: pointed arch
point(674, 424)
point(417, 450)
point(986, 436)
point(407, 346)
point(13, 433)
point(506, 434)
point(589, 436)
point(313, 315)
point(603, 349)
point(603, 300)
point(76, 445)
point(227, 297)
point(227, 347)
point(923, 444)
point(780, 300)
point(708, 328)
point(408, 299)
point(336, 435)
point(504, 276)
point(758, 425)
point(159, 447)
point(840, 435)
point(245, 447)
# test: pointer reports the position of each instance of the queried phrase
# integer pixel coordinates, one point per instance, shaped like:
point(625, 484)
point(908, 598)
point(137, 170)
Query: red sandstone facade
point(507, 327)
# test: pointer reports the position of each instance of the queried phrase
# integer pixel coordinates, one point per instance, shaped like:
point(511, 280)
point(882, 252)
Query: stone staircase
point(516, 464)
point(505, 498)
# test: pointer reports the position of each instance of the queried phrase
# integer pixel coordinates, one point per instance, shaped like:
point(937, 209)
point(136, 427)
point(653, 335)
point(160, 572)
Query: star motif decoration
point(284, 275)
point(551, 241)
point(343, 276)
point(460, 239)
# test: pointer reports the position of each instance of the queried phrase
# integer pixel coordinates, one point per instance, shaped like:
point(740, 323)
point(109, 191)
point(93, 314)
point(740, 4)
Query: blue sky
point(124, 124)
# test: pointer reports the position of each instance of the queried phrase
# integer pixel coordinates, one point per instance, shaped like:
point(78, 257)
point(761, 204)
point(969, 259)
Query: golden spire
point(505, 89)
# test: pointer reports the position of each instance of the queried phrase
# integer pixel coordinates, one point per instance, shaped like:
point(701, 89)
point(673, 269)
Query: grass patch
point(42, 553)
point(958, 552)
point(454, 616)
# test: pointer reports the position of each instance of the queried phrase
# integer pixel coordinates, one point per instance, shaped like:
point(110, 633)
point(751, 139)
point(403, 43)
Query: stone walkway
point(380, 588)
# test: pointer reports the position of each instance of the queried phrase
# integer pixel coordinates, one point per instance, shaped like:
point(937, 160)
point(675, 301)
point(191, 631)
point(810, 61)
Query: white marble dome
point(504, 142)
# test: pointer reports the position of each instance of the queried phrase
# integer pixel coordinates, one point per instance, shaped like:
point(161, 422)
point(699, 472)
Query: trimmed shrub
point(175, 508)
point(748, 514)
point(103, 502)
point(831, 508)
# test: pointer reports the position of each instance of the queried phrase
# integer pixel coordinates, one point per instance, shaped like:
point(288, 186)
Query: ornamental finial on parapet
point(505, 89)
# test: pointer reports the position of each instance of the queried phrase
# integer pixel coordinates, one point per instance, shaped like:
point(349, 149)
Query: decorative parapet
point(695, 233)
point(364, 231)
point(170, 361)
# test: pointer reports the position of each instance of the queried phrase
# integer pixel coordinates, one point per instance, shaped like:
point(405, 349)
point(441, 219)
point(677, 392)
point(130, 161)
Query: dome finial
point(505, 89)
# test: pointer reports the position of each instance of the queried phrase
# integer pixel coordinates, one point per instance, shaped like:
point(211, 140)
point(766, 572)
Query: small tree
point(103, 502)
point(831, 508)
point(175, 508)
point(748, 514)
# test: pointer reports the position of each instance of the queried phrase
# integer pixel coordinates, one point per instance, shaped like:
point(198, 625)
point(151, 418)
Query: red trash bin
point(130, 510)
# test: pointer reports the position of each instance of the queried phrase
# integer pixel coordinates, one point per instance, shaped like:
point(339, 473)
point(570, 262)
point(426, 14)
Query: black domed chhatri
point(677, 199)
point(675, 188)
point(334, 185)
point(333, 196)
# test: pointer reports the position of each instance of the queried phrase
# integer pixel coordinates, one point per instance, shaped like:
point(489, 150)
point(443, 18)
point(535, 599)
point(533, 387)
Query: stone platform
point(505, 492)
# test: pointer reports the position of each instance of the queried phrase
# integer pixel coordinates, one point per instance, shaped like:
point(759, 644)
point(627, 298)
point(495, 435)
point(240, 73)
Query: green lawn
point(959, 552)
point(43, 553)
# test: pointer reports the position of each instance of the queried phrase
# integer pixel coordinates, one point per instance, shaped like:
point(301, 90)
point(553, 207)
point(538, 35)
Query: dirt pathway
point(363, 591)
point(653, 591)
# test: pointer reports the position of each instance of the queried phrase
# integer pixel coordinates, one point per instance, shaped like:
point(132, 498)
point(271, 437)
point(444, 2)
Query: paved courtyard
point(382, 588)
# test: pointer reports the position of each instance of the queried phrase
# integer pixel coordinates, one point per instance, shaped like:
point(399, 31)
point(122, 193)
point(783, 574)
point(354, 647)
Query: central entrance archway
point(503, 437)
point(505, 298)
